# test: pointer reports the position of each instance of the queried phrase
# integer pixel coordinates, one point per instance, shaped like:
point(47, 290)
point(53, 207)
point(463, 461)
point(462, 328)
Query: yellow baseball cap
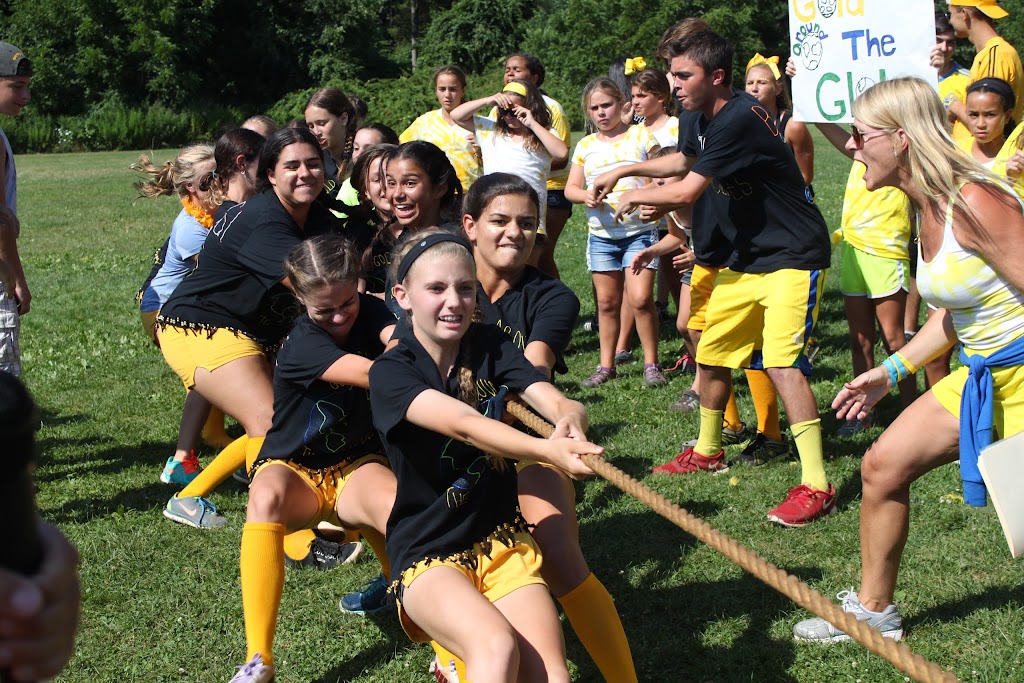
point(990, 8)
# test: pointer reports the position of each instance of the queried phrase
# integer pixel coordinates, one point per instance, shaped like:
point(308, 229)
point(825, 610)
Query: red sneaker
point(803, 505)
point(690, 461)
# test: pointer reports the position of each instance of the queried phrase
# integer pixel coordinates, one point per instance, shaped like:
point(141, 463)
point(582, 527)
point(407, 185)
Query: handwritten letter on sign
point(843, 47)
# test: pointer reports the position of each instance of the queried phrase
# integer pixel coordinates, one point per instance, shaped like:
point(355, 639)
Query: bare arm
point(995, 232)
point(541, 356)
point(574, 191)
point(836, 135)
point(9, 255)
point(463, 114)
point(662, 167)
point(443, 414)
point(671, 196)
point(799, 139)
point(554, 145)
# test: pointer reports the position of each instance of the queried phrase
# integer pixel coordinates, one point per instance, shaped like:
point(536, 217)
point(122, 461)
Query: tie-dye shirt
point(453, 139)
point(877, 223)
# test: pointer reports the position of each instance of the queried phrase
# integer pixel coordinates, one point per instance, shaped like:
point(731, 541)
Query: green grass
point(162, 601)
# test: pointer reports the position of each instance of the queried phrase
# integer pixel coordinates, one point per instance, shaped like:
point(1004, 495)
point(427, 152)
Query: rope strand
point(896, 653)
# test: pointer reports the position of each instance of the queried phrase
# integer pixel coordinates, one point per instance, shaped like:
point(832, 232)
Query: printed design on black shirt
point(733, 188)
point(517, 336)
point(221, 227)
point(769, 120)
point(283, 307)
point(322, 419)
point(461, 489)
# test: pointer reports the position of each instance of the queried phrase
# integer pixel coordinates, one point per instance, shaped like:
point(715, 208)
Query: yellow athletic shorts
point(326, 484)
point(186, 351)
point(1007, 397)
point(499, 570)
point(875, 277)
point(702, 282)
point(773, 312)
point(149, 324)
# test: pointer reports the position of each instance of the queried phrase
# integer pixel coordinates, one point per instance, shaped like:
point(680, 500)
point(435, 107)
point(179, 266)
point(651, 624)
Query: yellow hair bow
point(771, 62)
point(634, 64)
point(517, 88)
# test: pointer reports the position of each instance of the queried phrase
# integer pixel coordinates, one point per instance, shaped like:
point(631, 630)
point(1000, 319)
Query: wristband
point(899, 368)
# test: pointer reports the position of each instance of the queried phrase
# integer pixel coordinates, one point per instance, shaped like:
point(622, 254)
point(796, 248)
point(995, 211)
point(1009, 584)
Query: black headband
point(998, 86)
point(426, 243)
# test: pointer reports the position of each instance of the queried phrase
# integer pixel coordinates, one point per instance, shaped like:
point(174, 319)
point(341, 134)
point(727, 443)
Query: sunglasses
point(860, 138)
point(505, 112)
point(206, 181)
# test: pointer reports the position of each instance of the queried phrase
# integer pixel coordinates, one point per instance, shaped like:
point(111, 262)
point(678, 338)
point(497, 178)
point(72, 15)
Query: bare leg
point(860, 316)
point(608, 288)
point(923, 436)
point(640, 292)
point(554, 222)
point(890, 312)
point(243, 389)
point(193, 417)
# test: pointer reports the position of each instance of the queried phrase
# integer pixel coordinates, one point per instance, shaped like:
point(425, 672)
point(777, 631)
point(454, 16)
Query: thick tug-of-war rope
point(896, 653)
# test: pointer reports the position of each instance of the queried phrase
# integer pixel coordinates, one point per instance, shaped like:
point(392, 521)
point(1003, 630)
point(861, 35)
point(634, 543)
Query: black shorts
point(557, 200)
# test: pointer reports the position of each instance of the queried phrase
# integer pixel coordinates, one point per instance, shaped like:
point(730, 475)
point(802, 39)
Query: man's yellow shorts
point(498, 571)
point(702, 282)
point(326, 484)
point(1007, 397)
point(773, 312)
point(874, 277)
point(186, 351)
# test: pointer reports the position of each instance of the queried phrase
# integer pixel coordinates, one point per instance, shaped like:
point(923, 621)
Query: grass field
point(162, 601)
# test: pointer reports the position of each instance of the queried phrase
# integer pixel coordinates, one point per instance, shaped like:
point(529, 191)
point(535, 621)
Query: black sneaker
point(324, 554)
point(761, 450)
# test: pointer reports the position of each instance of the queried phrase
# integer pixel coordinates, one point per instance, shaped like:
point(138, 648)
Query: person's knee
point(494, 656)
point(879, 474)
point(266, 502)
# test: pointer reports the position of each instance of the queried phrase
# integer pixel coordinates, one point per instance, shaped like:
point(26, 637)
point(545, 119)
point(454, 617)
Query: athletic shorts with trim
point(774, 312)
point(498, 572)
point(10, 334)
point(326, 484)
point(186, 350)
point(702, 283)
point(557, 200)
point(607, 256)
point(1007, 397)
point(870, 276)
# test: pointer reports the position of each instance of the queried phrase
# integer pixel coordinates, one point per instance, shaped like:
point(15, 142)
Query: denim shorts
point(605, 255)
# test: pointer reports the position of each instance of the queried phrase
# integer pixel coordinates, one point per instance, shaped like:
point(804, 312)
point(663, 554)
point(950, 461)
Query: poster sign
point(843, 47)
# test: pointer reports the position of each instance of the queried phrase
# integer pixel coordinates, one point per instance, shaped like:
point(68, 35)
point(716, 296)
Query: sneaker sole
point(796, 525)
point(361, 613)
point(186, 521)
point(842, 638)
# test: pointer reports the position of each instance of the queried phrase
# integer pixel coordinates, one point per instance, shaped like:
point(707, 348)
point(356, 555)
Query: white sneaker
point(254, 671)
point(818, 630)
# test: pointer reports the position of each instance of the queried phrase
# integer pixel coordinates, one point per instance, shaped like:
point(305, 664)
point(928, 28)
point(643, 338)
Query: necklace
point(204, 217)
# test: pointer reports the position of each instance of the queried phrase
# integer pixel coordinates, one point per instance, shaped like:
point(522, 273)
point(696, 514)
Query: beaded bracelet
point(899, 368)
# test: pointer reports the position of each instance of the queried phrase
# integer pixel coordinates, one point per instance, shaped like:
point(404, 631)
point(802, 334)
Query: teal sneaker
point(181, 472)
point(194, 511)
point(372, 597)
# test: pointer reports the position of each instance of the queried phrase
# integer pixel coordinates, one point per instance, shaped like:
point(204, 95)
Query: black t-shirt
point(757, 195)
point(710, 246)
point(236, 283)
point(537, 308)
point(331, 184)
point(316, 423)
point(378, 265)
point(449, 497)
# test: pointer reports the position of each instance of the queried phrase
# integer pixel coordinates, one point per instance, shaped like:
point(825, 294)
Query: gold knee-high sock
point(376, 541)
point(296, 544)
point(807, 436)
point(213, 431)
point(766, 403)
point(593, 616)
point(226, 462)
point(709, 440)
point(445, 658)
point(262, 584)
point(732, 418)
point(252, 450)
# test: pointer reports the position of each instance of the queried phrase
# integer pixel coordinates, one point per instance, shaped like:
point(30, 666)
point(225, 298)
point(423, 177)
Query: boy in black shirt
point(764, 307)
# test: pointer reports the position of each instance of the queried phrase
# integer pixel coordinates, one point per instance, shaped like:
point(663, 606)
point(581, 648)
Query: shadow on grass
point(86, 459)
point(145, 499)
point(995, 598)
point(394, 639)
point(711, 630)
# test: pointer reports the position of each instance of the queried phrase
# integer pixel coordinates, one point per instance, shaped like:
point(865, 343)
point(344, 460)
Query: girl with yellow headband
point(521, 140)
point(764, 81)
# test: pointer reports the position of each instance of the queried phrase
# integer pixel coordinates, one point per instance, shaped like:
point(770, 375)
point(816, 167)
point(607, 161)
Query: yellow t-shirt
point(953, 86)
point(877, 223)
point(1005, 152)
point(453, 139)
point(998, 59)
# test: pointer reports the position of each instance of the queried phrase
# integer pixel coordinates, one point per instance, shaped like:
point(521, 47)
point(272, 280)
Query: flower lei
point(204, 217)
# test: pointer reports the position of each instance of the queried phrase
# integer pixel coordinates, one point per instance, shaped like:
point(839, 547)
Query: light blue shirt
point(187, 237)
